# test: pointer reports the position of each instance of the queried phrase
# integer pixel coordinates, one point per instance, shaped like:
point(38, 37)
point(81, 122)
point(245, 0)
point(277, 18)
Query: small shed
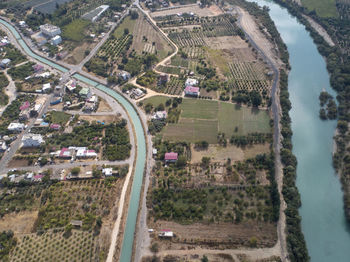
point(76, 223)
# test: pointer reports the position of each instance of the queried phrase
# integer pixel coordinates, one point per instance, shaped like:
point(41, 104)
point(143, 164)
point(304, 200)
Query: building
point(191, 82)
point(3, 146)
point(38, 68)
point(160, 115)
point(170, 157)
point(55, 126)
point(24, 106)
point(82, 152)
point(85, 92)
point(22, 24)
point(24, 115)
point(192, 91)
point(76, 223)
point(137, 92)
point(124, 75)
point(46, 88)
point(71, 85)
point(56, 40)
point(107, 171)
point(16, 127)
point(166, 234)
point(65, 153)
point(32, 140)
point(50, 30)
point(5, 63)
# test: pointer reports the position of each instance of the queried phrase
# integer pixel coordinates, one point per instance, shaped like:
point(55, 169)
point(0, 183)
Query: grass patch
point(248, 120)
point(323, 8)
point(200, 109)
point(127, 23)
point(57, 117)
point(156, 100)
point(3, 84)
point(203, 119)
point(75, 30)
point(192, 130)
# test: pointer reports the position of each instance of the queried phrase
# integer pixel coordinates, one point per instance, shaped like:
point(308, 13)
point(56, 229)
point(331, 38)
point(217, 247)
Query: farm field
point(203, 119)
point(148, 40)
point(156, 100)
point(74, 31)
point(50, 246)
point(212, 11)
point(324, 8)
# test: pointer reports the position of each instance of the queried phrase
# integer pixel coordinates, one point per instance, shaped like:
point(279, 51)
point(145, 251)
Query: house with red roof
point(55, 126)
point(170, 157)
point(24, 106)
point(65, 153)
point(191, 91)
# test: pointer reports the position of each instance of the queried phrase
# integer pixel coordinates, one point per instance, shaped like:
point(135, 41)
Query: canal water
point(323, 221)
point(129, 230)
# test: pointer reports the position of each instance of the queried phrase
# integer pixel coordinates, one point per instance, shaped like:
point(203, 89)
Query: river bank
point(323, 221)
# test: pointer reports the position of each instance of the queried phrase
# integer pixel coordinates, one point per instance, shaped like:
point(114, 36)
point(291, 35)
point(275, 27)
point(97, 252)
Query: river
point(323, 221)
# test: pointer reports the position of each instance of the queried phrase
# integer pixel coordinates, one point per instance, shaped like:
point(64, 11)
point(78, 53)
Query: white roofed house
point(56, 40)
point(50, 30)
point(160, 115)
point(46, 88)
point(82, 152)
point(32, 140)
point(191, 82)
point(16, 127)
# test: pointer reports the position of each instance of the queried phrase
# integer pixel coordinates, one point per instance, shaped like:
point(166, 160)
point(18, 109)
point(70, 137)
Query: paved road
point(71, 165)
point(282, 243)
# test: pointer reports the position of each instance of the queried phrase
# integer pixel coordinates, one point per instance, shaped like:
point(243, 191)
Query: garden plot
point(248, 76)
point(148, 40)
point(203, 119)
point(79, 246)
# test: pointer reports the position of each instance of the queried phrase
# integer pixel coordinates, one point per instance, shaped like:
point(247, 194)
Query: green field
point(58, 117)
point(75, 30)
point(156, 100)
point(127, 23)
point(248, 120)
point(323, 8)
point(203, 119)
point(200, 109)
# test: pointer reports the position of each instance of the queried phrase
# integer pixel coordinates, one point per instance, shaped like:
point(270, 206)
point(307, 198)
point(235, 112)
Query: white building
point(50, 30)
point(160, 115)
point(56, 40)
point(82, 152)
point(191, 82)
point(107, 171)
point(3, 146)
point(46, 87)
point(32, 140)
point(16, 127)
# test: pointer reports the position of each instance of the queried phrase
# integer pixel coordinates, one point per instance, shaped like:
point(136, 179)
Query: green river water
point(323, 221)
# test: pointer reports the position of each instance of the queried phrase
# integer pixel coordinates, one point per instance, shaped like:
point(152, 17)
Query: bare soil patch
point(18, 163)
point(225, 42)
point(19, 223)
point(106, 119)
point(233, 152)
point(213, 10)
point(217, 235)
point(104, 106)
